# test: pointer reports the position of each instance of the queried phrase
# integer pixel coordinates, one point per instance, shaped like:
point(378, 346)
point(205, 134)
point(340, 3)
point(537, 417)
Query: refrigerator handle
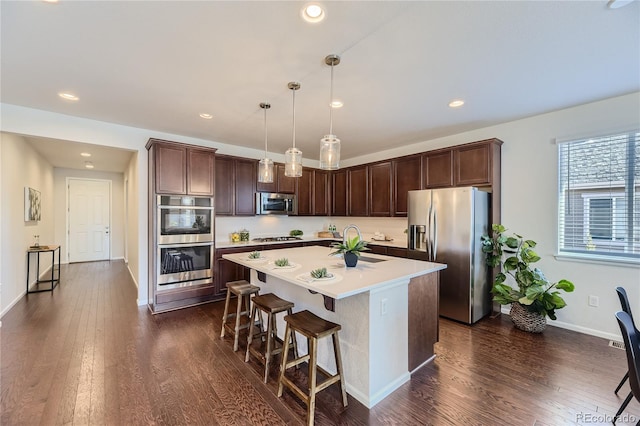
point(427, 235)
point(435, 235)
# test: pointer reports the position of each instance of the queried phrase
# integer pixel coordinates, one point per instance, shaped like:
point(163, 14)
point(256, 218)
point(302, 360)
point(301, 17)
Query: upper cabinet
point(357, 191)
point(407, 176)
point(235, 186)
point(437, 169)
point(473, 163)
point(380, 189)
point(305, 192)
point(313, 192)
point(339, 193)
point(181, 169)
point(281, 183)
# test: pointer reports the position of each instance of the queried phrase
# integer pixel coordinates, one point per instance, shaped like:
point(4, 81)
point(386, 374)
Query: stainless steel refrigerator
point(445, 226)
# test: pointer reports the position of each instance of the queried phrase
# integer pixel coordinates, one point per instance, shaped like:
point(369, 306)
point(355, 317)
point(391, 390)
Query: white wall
point(117, 207)
point(529, 200)
point(22, 166)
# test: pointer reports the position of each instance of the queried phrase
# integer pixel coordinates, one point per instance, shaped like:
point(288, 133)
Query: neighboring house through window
point(599, 197)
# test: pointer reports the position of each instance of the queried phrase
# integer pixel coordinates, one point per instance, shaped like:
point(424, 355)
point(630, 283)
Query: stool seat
point(313, 328)
point(271, 305)
point(311, 325)
point(243, 289)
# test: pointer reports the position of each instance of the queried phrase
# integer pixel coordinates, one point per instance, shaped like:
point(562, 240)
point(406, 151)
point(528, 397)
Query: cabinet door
point(397, 252)
point(304, 196)
point(438, 169)
point(380, 197)
point(321, 193)
point(170, 169)
point(224, 184)
point(227, 271)
point(200, 172)
point(472, 165)
point(357, 193)
point(407, 176)
point(339, 193)
point(377, 249)
point(245, 191)
point(286, 184)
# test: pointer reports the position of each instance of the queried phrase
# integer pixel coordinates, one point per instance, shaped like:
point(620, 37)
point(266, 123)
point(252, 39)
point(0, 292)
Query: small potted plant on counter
point(350, 249)
point(535, 297)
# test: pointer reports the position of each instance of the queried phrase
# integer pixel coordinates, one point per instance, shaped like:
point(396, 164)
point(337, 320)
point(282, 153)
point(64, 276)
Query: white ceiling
point(158, 64)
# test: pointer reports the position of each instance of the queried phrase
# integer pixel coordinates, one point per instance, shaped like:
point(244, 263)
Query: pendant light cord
point(294, 117)
point(331, 104)
point(265, 132)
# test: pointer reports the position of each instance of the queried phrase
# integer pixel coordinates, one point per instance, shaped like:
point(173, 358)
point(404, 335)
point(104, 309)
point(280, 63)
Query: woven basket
point(524, 320)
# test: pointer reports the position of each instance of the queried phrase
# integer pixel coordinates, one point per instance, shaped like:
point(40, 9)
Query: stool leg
point(226, 312)
point(267, 354)
point(250, 338)
point(311, 407)
point(283, 364)
point(336, 350)
point(237, 329)
point(293, 340)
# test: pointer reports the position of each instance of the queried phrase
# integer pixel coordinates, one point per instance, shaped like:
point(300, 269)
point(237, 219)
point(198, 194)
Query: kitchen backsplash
point(270, 226)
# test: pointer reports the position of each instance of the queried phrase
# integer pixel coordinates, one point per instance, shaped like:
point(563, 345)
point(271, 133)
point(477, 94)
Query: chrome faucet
point(346, 229)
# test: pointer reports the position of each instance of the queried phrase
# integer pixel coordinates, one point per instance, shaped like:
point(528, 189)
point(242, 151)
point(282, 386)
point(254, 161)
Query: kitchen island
point(387, 306)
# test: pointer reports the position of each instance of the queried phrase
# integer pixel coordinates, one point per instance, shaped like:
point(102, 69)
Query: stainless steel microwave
point(272, 203)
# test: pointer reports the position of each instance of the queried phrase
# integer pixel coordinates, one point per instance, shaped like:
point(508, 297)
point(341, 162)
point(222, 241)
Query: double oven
point(185, 237)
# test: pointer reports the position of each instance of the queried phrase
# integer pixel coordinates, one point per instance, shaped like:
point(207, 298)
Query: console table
point(55, 278)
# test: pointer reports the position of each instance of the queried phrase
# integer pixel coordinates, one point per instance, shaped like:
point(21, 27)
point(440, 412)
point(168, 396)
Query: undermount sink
point(370, 259)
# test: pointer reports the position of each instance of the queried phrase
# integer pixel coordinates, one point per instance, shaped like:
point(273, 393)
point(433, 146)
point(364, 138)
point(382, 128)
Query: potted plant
point(350, 249)
point(535, 297)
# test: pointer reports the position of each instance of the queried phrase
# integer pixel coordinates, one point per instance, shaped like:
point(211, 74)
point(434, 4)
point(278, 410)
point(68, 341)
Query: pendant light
point(265, 168)
point(293, 156)
point(330, 144)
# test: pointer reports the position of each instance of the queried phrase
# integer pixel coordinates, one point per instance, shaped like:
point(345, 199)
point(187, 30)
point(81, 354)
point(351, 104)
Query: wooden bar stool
point(243, 290)
point(271, 305)
point(313, 328)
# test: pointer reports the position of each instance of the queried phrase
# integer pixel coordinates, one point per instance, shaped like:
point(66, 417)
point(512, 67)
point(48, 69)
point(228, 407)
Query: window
point(599, 197)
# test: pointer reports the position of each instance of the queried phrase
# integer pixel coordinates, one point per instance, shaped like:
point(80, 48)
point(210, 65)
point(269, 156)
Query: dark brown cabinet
point(281, 183)
point(380, 189)
point(181, 169)
point(339, 193)
point(357, 191)
point(227, 271)
point(407, 176)
point(472, 165)
point(437, 169)
point(305, 192)
point(235, 186)
point(321, 193)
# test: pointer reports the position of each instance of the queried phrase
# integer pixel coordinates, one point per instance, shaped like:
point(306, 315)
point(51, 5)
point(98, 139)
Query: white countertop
point(399, 243)
point(366, 276)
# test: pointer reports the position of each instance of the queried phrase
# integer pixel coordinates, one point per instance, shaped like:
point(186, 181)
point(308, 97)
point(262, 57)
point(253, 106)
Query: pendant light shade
point(293, 156)
point(265, 168)
point(330, 144)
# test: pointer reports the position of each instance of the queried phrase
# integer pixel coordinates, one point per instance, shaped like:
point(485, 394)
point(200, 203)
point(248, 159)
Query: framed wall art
point(31, 204)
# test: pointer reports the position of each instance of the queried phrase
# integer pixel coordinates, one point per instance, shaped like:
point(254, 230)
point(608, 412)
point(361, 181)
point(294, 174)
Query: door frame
point(68, 200)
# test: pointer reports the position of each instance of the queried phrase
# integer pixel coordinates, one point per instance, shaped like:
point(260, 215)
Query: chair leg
point(226, 312)
point(293, 340)
point(237, 328)
point(267, 354)
point(624, 405)
point(283, 364)
point(624, 379)
point(250, 337)
point(336, 349)
point(311, 407)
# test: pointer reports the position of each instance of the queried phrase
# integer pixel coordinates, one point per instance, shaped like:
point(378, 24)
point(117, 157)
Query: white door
point(89, 219)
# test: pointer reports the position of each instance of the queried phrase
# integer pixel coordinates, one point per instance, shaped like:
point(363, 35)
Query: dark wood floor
point(86, 354)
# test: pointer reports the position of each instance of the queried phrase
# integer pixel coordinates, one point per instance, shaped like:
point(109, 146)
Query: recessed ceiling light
point(336, 104)
point(206, 116)
point(312, 13)
point(456, 103)
point(68, 96)
point(50, 1)
point(616, 4)
point(85, 154)
point(88, 164)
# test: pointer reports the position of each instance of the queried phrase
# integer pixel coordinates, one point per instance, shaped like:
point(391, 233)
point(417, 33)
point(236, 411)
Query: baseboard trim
point(12, 304)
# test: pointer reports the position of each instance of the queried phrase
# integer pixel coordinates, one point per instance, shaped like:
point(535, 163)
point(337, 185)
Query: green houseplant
point(535, 297)
point(350, 249)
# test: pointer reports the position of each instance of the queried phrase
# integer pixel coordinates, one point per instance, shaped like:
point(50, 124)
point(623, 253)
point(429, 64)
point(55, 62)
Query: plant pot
point(524, 320)
point(350, 259)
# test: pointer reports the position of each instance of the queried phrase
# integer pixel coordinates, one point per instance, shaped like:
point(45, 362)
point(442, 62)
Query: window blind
point(599, 197)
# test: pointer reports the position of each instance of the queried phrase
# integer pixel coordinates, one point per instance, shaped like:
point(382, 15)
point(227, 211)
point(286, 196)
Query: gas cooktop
point(269, 239)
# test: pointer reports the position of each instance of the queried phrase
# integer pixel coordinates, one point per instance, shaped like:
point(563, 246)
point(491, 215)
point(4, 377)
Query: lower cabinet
point(227, 271)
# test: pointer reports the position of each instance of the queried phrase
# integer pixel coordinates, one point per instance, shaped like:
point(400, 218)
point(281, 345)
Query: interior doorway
point(88, 219)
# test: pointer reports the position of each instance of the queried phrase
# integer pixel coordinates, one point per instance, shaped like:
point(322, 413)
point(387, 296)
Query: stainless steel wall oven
point(183, 219)
point(181, 265)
